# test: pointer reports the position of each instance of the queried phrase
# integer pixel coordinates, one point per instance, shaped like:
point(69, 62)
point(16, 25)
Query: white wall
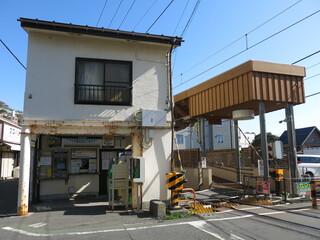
point(157, 165)
point(51, 76)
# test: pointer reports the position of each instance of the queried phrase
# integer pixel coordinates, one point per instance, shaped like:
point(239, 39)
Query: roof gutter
point(102, 32)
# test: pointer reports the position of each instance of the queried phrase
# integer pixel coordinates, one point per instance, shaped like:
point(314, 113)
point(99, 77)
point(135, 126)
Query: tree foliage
point(270, 138)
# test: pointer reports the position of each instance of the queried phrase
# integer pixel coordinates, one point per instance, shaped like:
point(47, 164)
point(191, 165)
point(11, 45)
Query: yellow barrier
point(313, 186)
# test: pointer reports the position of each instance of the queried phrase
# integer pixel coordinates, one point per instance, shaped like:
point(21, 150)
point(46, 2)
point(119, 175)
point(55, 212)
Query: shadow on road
point(8, 197)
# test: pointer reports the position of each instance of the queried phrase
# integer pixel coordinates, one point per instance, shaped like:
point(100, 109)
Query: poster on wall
point(75, 166)
point(92, 165)
point(108, 141)
point(83, 154)
point(45, 161)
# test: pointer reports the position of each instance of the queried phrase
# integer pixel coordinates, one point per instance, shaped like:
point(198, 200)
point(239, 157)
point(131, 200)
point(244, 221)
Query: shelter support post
point(264, 143)
point(137, 152)
point(236, 137)
point(292, 146)
point(24, 173)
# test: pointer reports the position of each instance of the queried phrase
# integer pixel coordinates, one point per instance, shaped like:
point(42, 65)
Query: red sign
point(263, 187)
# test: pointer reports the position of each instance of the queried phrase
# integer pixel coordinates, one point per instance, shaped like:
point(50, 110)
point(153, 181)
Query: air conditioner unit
point(152, 118)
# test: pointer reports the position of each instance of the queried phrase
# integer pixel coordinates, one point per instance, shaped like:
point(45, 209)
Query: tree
point(270, 138)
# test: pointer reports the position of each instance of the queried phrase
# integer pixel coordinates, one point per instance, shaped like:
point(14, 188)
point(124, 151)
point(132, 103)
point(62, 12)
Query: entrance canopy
point(242, 87)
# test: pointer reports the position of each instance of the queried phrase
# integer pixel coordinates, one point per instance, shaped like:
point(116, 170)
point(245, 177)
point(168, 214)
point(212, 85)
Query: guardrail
point(304, 186)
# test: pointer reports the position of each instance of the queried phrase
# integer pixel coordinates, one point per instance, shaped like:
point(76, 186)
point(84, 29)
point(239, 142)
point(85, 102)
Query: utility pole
point(292, 151)
point(264, 143)
point(236, 136)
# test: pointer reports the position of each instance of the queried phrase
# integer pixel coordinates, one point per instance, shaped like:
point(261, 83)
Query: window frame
point(105, 85)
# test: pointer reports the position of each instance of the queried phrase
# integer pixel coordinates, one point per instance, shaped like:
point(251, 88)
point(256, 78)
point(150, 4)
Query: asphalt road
point(296, 221)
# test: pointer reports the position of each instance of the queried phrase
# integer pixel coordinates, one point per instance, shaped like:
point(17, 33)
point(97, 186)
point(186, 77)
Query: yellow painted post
point(313, 194)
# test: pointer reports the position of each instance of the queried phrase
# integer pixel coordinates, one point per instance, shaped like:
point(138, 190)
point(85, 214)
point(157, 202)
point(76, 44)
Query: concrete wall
point(50, 80)
point(49, 97)
point(77, 185)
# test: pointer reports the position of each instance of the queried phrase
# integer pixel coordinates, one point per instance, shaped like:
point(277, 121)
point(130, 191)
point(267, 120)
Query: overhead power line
point(127, 13)
point(184, 10)
point(115, 13)
point(13, 54)
point(248, 48)
point(105, 4)
point(306, 57)
point(160, 15)
point(313, 65)
point(238, 39)
point(144, 14)
point(191, 17)
point(311, 95)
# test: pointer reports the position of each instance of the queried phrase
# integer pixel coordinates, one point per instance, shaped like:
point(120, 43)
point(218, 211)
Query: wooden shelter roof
point(242, 87)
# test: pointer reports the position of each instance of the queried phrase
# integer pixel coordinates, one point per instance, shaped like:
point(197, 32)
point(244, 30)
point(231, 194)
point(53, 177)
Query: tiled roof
point(301, 135)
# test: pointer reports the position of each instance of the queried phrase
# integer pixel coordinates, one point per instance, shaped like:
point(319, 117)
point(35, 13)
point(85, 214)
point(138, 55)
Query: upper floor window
point(103, 82)
point(179, 139)
point(220, 138)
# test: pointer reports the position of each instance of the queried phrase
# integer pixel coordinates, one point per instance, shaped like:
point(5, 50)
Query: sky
point(218, 34)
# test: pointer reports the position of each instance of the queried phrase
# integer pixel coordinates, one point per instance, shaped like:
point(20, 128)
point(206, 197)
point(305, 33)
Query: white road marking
point(201, 226)
point(37, 225)
point(248, 208)
point(193, 223)
point(271, 213)
point(234, 237)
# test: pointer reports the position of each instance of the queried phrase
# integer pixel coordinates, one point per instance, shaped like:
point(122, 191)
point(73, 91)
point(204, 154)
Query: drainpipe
point(24, 172)
point(170, 102)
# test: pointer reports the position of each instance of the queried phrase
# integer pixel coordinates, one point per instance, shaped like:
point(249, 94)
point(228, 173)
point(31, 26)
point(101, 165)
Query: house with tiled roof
point(308, 137)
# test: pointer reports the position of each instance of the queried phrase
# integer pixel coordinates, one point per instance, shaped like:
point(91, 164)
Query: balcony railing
point(97, 94)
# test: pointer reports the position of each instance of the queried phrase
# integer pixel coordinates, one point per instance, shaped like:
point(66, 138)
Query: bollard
point(313, 194)
point(175, 182)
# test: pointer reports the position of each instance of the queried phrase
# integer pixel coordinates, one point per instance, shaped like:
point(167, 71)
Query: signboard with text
point(263, 187)
point(11, 134)
point(303, 188)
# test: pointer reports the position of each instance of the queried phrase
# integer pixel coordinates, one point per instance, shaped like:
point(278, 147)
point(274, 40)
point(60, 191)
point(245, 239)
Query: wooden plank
point(245, 87)
point(253, 93)
point(264, 86)
point(235, 91)
point(231, 97)
point(214, 98)
point(226, 93)
point(240, 89)
point(288, 88)
point(277, 92)
point(222, 105)
point(283, 91)
point(210, 99)
point(206, 93)
point(218, 97)
point(258, 86)
point(271, 87)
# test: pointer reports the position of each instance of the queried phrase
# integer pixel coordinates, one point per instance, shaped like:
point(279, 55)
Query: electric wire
point(313, 65)
point(191, 18)
point(105, 4)
point(311, 95)
point(127, 13)
point(160, 16)
point(13, 54)
point(182, 14)
point(115, 13)
point(145, 14)
point(312, 76)
point(306, 56)
point(238, 39)
point(250, 47)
